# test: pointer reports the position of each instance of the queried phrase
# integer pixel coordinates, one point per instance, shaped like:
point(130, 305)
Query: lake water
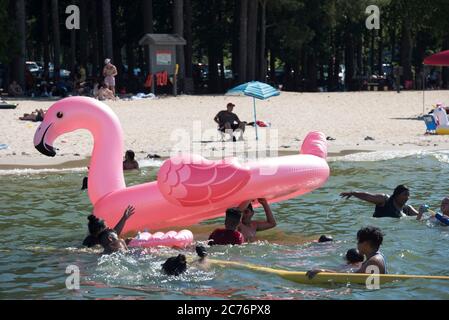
point(43, 222)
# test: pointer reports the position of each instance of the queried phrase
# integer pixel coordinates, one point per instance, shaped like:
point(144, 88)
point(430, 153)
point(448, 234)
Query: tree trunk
point(338, 60)
point(252, 39)
point(94, 39)
point(235, 40)
point(73, 50)
point(445, 74)
point(56, 38)
point(19, 61)
point(213, 49)
point(263, 31)
point(349, 60)
point(45, 38)
point(360, 55)
point(332, 61)
point(107, 29)
point(73, 47)
point(147, 28)
point(380, 55)
point(273, 68)
point(84, 32)
point(312, 72)
point(406, 51)
point(178, 28)
point(130, 85)
point(148, 16)
point(243, 43)
point(372, 52)
point(117, 42)
point(189, 38)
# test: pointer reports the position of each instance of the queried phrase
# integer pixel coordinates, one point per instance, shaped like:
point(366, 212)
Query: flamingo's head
point(63, 117)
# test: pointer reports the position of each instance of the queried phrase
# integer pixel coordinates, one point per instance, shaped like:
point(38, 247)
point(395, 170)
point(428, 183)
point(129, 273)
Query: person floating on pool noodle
point(369, 241)
point(386, 206)
point(442, 217)
point(248, 227)
point(108, 238)
point(175, 266)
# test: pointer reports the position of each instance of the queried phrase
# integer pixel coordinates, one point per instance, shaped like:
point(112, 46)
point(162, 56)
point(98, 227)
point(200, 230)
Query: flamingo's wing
point(191, 181)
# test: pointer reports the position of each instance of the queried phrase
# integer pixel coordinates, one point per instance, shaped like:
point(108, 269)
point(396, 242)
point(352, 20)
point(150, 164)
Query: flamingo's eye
point(60, 115)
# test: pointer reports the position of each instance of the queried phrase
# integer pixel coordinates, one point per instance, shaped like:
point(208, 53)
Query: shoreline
point(75, 162)
point(359, 122)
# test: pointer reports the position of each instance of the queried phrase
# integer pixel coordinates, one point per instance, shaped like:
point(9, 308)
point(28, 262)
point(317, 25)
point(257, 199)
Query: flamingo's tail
point(315, 144)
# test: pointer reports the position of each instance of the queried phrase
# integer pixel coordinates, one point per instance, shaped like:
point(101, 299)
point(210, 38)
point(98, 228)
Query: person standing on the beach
point(386, 206)
point(109, 73)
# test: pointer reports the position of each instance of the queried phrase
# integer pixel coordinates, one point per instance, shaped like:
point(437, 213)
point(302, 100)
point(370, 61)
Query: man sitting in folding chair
point(229, 123)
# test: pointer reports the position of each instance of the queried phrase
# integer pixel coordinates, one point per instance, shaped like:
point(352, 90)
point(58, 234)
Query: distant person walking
point(109, 73)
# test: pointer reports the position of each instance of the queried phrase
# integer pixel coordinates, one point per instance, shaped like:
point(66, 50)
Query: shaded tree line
point(301, 44)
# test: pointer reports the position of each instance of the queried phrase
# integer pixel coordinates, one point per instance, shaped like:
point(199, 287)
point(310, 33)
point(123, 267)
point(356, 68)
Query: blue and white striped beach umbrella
point(256, 90)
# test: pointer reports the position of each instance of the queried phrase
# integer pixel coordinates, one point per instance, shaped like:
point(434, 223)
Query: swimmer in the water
point(354, 260)
point(369, 241)
point(325, 238)
point(248, 227)
point(229, 235)
point(175, 266)
point(386, 206)
point(108, 238)
point(443, 217)
point(130, 162)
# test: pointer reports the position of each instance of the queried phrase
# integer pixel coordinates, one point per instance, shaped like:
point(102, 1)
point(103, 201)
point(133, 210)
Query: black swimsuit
point(389, 210)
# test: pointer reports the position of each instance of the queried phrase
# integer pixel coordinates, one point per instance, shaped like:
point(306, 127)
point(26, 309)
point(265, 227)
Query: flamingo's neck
point(106, 167)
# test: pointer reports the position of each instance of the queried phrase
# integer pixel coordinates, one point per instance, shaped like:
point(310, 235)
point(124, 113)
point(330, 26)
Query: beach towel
point(261, 124)
point(4, 105)
point(141, 96)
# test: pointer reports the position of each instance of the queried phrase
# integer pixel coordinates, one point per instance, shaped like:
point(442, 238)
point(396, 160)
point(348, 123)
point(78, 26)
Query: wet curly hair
point(373, 235)
point(175, 266)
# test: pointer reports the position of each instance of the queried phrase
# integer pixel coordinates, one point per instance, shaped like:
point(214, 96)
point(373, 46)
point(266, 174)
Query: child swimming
point(108, 238)
point(442, 217)
point(353, 259)
point(175, 266)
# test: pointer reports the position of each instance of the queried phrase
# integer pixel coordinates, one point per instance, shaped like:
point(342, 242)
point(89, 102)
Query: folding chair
point(431, 124)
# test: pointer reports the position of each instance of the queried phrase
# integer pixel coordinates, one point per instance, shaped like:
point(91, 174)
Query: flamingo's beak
point(44, 148)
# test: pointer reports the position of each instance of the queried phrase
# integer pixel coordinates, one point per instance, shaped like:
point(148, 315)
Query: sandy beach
point(158, 126)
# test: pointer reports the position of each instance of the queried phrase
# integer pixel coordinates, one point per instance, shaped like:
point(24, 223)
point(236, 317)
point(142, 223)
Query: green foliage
point(6, 32)
point(295, 28)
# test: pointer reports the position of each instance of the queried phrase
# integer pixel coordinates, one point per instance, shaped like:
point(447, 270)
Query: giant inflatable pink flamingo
point(189, 188)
